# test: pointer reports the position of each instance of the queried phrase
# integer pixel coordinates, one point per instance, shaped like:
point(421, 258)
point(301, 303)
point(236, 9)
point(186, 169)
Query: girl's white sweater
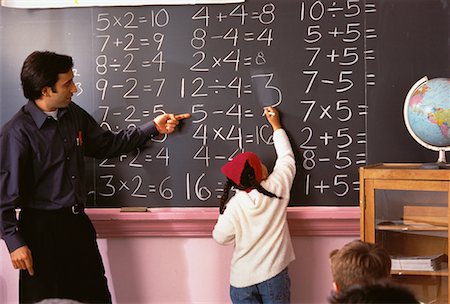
point(256, 224)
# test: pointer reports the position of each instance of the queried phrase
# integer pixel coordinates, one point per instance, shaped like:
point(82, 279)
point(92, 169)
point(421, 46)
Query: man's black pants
point(67, 262)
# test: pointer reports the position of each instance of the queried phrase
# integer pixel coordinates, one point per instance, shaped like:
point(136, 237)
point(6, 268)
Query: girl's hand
point(273, 117)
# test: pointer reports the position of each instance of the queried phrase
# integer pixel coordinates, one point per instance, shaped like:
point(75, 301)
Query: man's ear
point(46, 91)
point(335, 287)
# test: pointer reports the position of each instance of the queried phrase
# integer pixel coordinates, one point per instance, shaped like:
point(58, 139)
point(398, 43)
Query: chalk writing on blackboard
point(223, 64)
point(334, 69)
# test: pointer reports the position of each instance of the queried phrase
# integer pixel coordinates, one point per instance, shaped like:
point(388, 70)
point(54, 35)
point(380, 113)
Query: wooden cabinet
point(405, 209)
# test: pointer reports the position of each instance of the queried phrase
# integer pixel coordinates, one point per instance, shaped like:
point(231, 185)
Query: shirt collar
point(38, 115)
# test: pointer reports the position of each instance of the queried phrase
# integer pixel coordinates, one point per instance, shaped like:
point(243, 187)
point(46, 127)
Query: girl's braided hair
point(248, 180)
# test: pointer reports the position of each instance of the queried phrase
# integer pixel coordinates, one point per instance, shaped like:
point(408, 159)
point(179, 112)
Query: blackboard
point(413, 42)
point(337, 70)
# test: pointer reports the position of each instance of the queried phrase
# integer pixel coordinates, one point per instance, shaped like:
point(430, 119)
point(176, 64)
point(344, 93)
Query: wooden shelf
point(404, 208)
point(441, 273)
point(411, 227)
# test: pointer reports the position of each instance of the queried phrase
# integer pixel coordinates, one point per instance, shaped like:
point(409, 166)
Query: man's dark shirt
point(42, 160)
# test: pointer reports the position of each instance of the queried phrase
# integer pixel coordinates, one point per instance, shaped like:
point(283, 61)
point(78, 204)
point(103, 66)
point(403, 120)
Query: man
point(358, 263)
point(53, 242)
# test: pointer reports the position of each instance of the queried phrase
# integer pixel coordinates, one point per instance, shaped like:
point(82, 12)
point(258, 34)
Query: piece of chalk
point(271, 114)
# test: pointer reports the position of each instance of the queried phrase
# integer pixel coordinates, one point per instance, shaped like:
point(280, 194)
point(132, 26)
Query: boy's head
point(359, 262)
point(376, 293)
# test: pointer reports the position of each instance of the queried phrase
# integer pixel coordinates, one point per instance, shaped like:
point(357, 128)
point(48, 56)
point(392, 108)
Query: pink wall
point(194, 269)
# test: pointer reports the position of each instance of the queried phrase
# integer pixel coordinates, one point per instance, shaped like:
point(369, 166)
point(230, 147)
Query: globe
point(427, 115)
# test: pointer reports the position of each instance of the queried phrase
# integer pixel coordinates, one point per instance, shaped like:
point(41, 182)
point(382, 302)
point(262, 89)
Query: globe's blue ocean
point(429, 112)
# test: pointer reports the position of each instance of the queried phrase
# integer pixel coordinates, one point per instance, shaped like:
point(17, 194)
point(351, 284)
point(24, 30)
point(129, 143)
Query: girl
point(254, 221)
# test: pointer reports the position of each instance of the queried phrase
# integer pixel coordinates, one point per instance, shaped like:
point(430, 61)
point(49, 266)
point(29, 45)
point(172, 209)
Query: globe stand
point(440, 164)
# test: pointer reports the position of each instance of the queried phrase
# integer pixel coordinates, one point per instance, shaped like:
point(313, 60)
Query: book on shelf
point(420, 263)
